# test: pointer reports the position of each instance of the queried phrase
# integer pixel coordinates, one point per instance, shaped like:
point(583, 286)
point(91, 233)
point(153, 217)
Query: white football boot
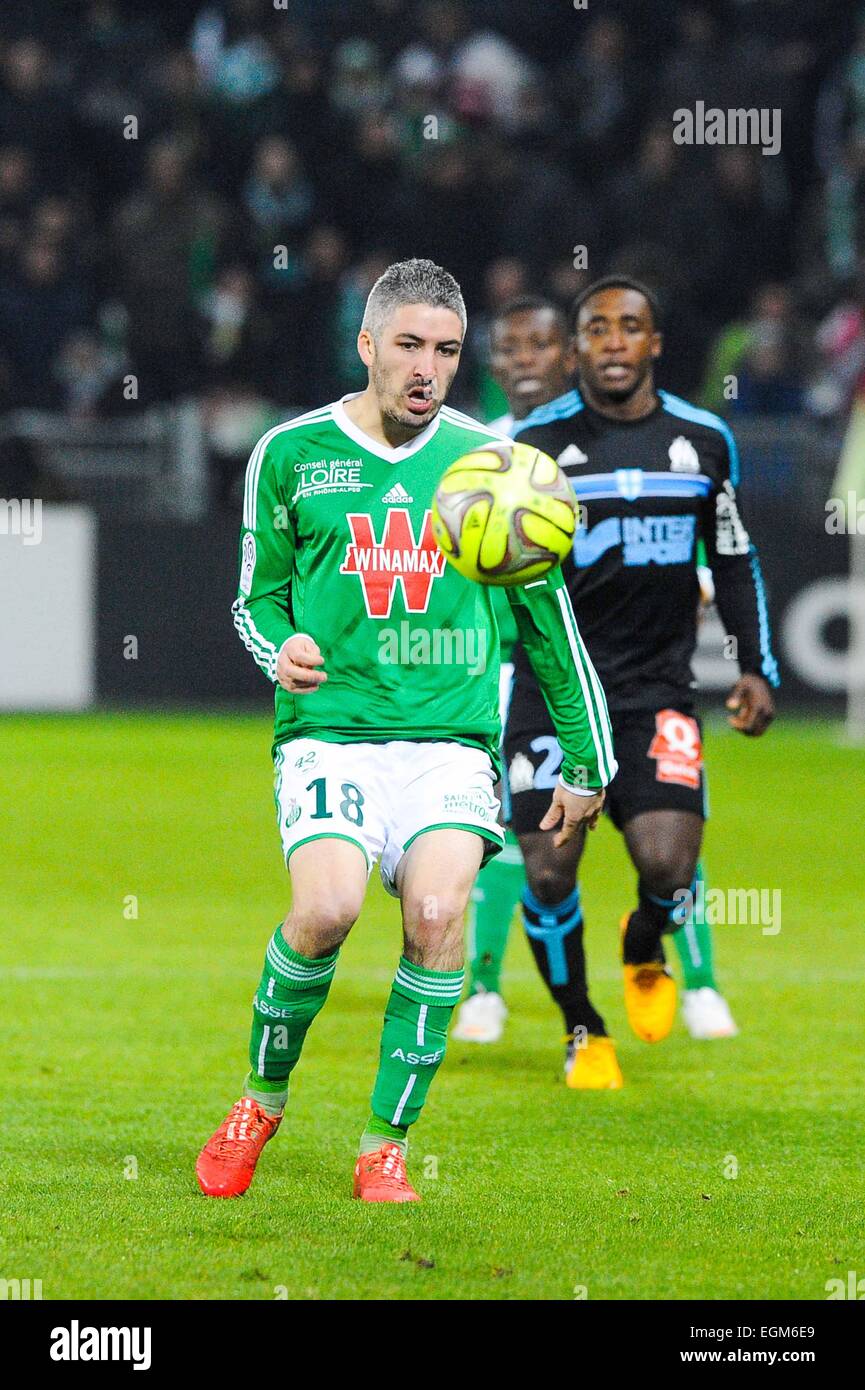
point(707, 1014)
point(481, 1018)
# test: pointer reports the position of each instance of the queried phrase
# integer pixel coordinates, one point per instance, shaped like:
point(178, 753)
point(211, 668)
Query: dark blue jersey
point(649, 489)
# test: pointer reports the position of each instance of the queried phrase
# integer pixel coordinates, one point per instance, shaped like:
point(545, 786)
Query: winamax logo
point(398, 558)
point(77, 1343)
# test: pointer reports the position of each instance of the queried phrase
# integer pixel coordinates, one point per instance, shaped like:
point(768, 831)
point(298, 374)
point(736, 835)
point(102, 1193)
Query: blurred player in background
point(379, 755)
point(654, 475)
point(532, 360)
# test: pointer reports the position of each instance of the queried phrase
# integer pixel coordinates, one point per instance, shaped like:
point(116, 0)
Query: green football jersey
point(337, 543)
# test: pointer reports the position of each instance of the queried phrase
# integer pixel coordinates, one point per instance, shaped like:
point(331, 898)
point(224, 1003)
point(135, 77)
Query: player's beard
point(616, 395)
point(391, 402)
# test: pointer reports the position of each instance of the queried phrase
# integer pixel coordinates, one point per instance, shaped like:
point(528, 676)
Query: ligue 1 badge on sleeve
point(247, 568)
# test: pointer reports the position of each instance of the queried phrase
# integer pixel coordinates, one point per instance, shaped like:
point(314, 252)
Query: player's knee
point(435, 911)
point(668, 871)
point(331, 916)
point(549, 883)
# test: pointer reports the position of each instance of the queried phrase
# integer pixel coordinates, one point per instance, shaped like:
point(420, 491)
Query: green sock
point(693, 942)
point(413, 1042)
point(493, 902)
point(378, 1130)
point(291, 992)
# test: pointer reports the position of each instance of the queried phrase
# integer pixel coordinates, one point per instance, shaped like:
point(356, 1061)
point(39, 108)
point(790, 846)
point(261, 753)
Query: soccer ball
point(504, 514)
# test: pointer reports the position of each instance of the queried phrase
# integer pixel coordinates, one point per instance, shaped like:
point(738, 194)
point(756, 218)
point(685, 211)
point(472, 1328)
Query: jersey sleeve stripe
point(597, 714)
point(251, 483)
point(603, 711)
point(770, 665)
point(263, 651)
point(595, 679)
point(571, 403)
point(466, 422)
point(253, 468)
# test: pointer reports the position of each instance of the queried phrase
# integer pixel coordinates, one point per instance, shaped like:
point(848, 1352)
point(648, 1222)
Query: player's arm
point(575, 698)
point(741, 600)
point(262, 609)
point(506, 623)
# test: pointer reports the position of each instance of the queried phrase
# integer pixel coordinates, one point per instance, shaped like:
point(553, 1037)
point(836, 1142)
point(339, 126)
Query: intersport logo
point(398, 558)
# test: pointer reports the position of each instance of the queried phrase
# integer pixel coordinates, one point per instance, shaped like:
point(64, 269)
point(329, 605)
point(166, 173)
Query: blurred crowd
point(195, 200)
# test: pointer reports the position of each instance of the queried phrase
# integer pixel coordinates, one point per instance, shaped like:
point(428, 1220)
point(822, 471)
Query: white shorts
point(381, 796)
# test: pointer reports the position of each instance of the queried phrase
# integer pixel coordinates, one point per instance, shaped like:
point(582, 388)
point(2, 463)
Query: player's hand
point(751, 705)
point(296, 663)
point(570, 812)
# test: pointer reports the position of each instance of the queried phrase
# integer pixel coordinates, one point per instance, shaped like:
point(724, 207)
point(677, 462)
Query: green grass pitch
point(125, 1041)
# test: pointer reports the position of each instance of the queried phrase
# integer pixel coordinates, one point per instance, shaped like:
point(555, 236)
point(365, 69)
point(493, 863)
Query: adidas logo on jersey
point(521, 774)
point(397, 494)
point(683, 456)
point(570, 457)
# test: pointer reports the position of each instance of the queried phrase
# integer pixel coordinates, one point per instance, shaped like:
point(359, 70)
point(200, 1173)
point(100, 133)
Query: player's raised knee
point(668, 871)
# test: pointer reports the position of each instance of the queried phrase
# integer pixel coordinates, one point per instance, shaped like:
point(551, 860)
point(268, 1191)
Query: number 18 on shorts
point(381, 796)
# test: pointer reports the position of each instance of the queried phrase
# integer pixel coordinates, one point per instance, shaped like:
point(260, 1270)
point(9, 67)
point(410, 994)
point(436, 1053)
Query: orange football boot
point(226, 1164)
point(650, 997)
point(593, 1065)
point(380, 1176)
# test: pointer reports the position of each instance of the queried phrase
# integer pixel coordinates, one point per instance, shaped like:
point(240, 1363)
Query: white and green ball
point(504, 514)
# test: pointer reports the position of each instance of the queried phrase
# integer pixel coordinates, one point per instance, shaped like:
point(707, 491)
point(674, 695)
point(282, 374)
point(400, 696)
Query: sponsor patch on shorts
point(677, 749)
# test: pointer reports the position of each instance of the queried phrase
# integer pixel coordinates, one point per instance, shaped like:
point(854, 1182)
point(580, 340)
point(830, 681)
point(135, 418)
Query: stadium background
point(194, 203)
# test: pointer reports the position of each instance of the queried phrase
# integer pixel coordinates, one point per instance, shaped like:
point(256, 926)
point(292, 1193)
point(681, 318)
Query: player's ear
point(569, 357)
point(365, 347)
point(657, 345)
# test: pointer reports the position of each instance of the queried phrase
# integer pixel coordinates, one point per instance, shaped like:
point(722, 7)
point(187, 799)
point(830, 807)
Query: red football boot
point(226, 1164)
point(380, 1176)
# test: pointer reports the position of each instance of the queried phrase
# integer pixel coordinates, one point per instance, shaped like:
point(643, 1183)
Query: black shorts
point(659, 752)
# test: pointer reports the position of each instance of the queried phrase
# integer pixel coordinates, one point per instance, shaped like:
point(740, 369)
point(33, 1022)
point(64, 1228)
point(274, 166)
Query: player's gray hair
point(411, 282)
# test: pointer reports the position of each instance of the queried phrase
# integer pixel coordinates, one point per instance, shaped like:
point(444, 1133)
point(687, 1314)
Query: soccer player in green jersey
point(386, 667)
